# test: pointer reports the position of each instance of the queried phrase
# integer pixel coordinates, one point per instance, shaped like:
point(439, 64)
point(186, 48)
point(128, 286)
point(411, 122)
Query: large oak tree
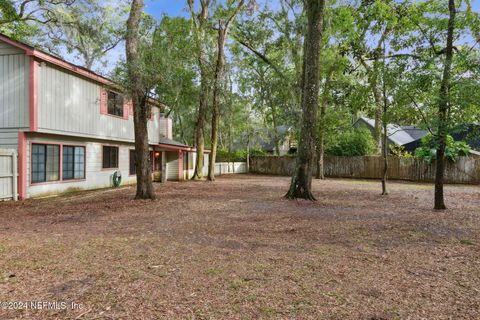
point(139, 95)
point(301, 184)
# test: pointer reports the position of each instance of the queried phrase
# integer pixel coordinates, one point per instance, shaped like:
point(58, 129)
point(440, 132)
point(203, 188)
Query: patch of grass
point(467, 242)
point(213, 271)
point(268, 311)
point(415, 235)
point(236, 284)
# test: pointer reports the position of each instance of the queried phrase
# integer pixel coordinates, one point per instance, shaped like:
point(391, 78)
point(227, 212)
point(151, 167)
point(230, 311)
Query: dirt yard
point(234, 249)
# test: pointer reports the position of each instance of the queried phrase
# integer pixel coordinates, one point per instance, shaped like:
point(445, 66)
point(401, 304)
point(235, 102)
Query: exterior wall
point(70, 105)
point(5, 48)
point(95, 176)
point(165, 127)
point(14, 86)
point(8, 138)
point(172, 166)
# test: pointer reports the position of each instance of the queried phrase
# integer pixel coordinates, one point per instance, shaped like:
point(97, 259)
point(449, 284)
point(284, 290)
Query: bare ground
point(234, 249)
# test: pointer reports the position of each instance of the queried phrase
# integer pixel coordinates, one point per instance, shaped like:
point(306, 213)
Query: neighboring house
point(73, 128)
point(287, 142)
point(407, 136)
point(470, 133)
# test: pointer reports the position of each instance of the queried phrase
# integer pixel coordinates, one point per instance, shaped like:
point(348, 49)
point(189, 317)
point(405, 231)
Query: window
point(115, 104)
point(73, 163)
point(45, 163)
point(110, 157)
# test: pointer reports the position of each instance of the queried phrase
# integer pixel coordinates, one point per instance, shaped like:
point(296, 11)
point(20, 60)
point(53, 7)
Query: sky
point(157, 8)
point(169, 7)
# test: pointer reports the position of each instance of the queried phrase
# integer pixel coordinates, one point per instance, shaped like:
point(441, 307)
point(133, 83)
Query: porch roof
point(175, 145)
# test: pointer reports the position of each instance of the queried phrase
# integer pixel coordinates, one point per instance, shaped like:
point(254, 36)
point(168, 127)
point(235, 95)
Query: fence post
point(14, 175)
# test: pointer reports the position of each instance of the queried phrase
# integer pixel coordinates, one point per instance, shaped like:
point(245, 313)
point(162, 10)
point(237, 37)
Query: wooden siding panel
point(70, 105)
point(172, 166)
point(6, 49)
point(8, 138)
point(14, 91)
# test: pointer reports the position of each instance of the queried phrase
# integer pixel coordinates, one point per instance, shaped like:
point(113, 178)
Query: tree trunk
point(248, 153)
point(276, 137)
point(384, 154)
point(200, 125)
point(220, 66)
point(321, 128)
point(222, 32)
point(200, 21)
point(145, 188)
point(301, 184)
point(377, 130)
point(443, 106)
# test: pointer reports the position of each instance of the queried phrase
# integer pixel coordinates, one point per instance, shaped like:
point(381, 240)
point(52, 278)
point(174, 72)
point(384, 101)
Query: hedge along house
point(72, 128)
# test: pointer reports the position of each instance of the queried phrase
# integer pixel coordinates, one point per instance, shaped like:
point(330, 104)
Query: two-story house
point(73, 128)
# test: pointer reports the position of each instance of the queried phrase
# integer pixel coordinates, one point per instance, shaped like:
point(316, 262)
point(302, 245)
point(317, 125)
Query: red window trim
point(118, 157)
point(60, 166)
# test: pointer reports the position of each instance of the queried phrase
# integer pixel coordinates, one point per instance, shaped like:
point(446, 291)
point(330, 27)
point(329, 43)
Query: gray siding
point(14, 71)
point(69, 104)
point(8, 138)
point(165, 127)
point(172, 166)
point(5, 48)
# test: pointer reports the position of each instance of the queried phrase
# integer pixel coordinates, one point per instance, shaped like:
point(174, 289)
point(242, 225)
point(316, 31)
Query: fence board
point(465, 170)
point(8, 174)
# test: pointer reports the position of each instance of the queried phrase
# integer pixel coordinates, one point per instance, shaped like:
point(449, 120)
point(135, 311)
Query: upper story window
point(115, 104)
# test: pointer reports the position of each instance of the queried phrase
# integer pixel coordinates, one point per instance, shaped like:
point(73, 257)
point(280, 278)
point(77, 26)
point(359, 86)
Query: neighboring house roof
point(172, 142)
point(397, 134)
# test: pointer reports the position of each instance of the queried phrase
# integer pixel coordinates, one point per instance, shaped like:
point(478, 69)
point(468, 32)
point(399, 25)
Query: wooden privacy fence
point(465, 170)
point(8, 174)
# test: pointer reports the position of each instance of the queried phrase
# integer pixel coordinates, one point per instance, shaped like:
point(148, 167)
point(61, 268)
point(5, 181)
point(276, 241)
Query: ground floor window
point(110, 157)
point(73, 162)
point(133, 165)
point(45, 163)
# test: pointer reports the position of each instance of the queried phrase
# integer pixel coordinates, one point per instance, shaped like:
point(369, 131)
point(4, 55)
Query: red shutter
point(103, 101)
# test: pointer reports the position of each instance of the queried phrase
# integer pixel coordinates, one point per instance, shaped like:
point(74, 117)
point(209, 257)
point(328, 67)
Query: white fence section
point(8, 174)
point(230, 167)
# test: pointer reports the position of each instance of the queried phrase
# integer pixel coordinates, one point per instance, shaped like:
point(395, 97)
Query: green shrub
point(399, 151)
point(428, 150)
point(357, 142)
